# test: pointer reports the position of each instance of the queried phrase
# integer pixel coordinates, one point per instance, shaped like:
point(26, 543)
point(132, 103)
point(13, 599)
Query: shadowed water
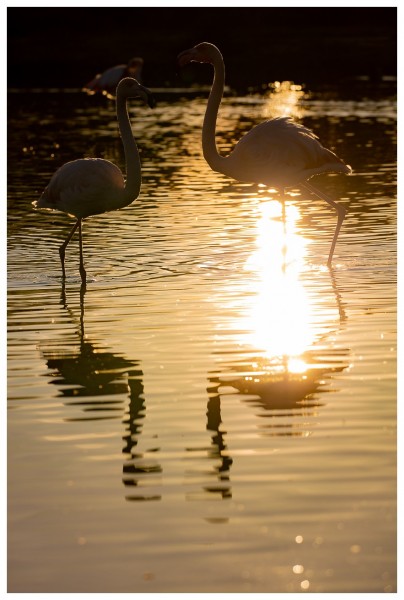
point(216, 411)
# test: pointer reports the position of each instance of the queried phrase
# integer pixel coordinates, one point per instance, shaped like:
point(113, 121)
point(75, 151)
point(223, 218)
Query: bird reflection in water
point(218, 485)
point(280, 392)
point(99, 382)
point(284, 330)
point(286, 386)
point(281, 389)
point(218, 449)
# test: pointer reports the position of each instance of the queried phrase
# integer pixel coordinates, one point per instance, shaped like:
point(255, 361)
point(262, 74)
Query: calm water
point(217, 412)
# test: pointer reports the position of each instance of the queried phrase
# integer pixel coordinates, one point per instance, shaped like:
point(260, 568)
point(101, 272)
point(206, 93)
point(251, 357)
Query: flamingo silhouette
point(106, 82)
point(91, 186)
point(278, 152)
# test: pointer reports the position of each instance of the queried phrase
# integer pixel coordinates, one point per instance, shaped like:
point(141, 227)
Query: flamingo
point(91, 186)
point(279, 152)
point(107, 81)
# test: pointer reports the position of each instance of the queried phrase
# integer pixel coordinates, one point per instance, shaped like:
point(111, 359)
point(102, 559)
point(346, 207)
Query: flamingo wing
point(280, 152)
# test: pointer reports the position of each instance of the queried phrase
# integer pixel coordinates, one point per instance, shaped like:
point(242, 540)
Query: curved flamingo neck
point(133, 168)
point(210, 151)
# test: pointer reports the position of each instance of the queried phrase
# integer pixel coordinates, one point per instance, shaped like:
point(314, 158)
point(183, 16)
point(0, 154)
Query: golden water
point(216, 412)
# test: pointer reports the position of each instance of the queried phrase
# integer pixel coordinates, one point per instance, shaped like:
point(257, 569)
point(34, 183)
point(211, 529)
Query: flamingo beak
point(151, 101)
point(147, 96)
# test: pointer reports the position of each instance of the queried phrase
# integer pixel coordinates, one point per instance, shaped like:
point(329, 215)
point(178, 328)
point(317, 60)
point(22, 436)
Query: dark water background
point(65, 46)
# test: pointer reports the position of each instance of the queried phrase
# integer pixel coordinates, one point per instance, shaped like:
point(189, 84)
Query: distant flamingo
point(91, 186)
point(107, 81)
point(278, 152)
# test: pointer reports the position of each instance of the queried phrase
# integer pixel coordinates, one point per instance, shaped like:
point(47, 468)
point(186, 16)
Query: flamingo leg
point(62, 249)
point(82, 269)
point(341, 212)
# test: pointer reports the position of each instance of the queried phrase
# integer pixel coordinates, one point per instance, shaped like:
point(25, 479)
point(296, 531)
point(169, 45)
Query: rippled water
point(216, 412)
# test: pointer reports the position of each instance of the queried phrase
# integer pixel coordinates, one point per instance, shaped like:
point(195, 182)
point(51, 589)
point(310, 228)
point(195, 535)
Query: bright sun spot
point(284, 100)
point(279, 317)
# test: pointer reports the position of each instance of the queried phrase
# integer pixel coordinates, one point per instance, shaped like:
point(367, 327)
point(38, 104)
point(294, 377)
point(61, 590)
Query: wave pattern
point(216, 411)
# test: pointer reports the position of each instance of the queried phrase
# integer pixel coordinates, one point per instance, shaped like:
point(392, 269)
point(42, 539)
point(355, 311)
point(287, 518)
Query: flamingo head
point(130, 88)
point(135, 66)
point(202, 53)
point(136, 61)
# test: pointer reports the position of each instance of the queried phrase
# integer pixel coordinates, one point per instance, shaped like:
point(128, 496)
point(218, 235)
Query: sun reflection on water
point(284, 100)
point(282, 335)
point(278, 320)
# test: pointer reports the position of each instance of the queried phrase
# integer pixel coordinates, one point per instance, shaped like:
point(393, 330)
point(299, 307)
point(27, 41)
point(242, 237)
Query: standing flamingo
point(278, 152)
point(91, 186)
point(107, 81)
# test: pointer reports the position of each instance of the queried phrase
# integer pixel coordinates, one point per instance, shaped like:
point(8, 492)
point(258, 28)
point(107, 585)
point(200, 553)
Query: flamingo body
point(91, 186)
point(107, 81)
point(279, 152)
point(84, 187)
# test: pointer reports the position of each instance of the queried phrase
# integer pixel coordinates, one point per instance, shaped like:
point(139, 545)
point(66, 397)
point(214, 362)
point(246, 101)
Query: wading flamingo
point(91, 186)
point(107, 81)
point(278, 152)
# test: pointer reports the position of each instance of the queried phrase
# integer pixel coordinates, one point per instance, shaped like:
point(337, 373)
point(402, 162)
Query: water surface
point(216, 412)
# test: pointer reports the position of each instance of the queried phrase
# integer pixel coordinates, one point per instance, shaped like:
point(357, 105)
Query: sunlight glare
point(284, 100)
point(278, 321)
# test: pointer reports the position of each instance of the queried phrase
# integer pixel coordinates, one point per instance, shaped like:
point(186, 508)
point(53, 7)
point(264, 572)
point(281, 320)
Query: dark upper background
point(65, 47)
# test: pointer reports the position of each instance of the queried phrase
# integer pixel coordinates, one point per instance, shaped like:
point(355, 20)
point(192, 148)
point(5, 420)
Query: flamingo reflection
point(218, 449)
point(99, 383)
point(285, 328)
point(277, 390)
